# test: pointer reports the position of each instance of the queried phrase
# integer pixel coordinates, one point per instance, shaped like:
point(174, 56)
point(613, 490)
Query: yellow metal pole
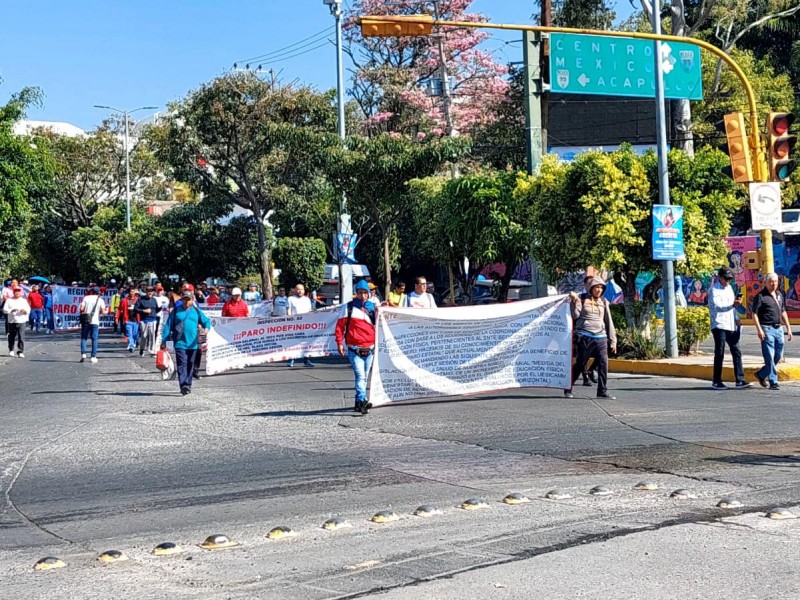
point(760, 169)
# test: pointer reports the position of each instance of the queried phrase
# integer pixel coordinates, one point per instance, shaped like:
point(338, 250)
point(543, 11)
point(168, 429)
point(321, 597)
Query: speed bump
point(111, 556)
point(600, 490)
point(729, 503)
point(558, 495)
point(336, 523)
point(384, 516)
point(781, 513)
point(683, 495)
point(516, 498)
point(49, 562)
point(277, 533)
point(166, 548)
point(646, 486)
point(426, 510)
point(473, 504)
point(218, 542)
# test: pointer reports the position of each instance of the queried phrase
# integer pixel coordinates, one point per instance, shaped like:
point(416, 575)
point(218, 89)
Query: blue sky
point(137, 53)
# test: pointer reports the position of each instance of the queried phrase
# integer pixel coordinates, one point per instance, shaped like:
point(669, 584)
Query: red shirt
point(36, 300)
point(212, 299)
point(235, 309)
point(360, 330)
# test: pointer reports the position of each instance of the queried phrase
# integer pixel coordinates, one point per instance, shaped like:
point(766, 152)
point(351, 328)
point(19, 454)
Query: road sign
point(765, 205)
point(668, 233)
point(611, 66)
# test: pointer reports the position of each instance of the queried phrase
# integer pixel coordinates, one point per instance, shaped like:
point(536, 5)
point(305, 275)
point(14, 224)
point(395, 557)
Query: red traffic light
point(780, 144)
point(780, 122)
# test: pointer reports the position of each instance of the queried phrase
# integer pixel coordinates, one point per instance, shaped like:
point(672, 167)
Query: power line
point(290, 56)
point(312, 39)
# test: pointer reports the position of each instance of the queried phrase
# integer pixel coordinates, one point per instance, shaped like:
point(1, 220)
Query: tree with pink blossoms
point(391, 75)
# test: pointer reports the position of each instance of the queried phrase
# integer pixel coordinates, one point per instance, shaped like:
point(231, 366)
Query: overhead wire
point(305, 42)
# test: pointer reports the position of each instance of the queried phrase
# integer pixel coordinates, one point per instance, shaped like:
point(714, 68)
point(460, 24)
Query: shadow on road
point(331, 412)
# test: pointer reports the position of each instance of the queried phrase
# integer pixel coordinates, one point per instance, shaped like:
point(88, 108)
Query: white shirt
point(280, 306)
point(88, 306)
point(423, 300)
point(721, 308)
point(299, 305)
point(20, 308)
point(163, 301)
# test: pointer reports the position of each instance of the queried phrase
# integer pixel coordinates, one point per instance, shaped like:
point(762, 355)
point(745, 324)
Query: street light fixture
point(126, 113)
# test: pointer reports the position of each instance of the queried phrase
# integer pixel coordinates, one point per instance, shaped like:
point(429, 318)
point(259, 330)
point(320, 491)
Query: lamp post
point(344, 226)
point(126, 113)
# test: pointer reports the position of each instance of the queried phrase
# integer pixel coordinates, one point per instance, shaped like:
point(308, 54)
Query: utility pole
point(126, 114)
point(547, 21)
point(667, 266)
point(532, 65)
point(447, 97)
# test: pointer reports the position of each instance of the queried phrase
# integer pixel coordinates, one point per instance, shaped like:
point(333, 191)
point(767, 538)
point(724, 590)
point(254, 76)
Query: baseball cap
point(725, 272)
point(251, 285)
point(236, 292)
point(362, 285)
point(96, 289)
point(187, 286)
point(187, 294)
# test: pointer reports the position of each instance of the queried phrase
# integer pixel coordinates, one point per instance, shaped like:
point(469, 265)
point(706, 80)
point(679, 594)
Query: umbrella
point(38, 279)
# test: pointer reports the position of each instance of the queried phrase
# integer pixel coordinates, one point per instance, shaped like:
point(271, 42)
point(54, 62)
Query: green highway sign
point(612, 66)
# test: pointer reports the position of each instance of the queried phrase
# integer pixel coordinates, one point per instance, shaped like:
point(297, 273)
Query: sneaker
point(568, 394)
point(719, 386)
point(83, 357)
point(741, 385)
point(774, 386)
point(12, 353)
point(592, 377)
point(20, 355)
point(365, 406)
point(290, 364)
point(762, 381)
point(94, 359)
point(195, 375)
point(606, 396)
point(130, 350)
point(357, 406)
point(588, 383)
point(141, 351)
point(185, 390)
point(308, 363)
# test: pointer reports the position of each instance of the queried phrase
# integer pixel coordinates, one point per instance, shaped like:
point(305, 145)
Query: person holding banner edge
point(595, 333)
point(355, 338)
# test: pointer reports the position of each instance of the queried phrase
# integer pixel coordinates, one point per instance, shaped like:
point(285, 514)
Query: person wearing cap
point(182, 327)
point(300, 304)
point(161, 298)
point(355, 339)
point(726, 329)
point(17, 311)
point(147, 308)
point(94, 305)
point(595, 334)
point(252, 294)
point(202, 333)
point(129, 318)
point(236, 307)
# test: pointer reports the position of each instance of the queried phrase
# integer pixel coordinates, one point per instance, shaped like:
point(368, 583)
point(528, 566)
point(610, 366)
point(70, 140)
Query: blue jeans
point(51, 321)
point(94, 332)
point(361, 366)
point(132, 333)
point(772, 349)
point(37, 319)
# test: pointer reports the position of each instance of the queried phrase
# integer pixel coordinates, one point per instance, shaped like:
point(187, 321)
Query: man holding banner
point(355, 338)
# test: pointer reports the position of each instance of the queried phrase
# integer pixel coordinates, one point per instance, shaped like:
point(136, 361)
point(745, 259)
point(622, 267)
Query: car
point(484, 292)
point(328, 293)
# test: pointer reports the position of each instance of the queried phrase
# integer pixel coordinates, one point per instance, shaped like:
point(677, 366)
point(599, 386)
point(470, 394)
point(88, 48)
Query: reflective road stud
point(110, 556)
point(729, 503)
point(385, 516)
point(600, 490)
point(49, 562)
point(558, 495)
point(218, 542)
point(781, 513)
point(166, 548)
point(683, 495)
point(646, 486)
point(473, 504)
point(336, 523)
point(426, 510)
point(516, 498)
point(277, 533)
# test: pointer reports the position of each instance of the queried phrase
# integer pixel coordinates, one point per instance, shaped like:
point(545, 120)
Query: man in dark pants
point(595, 334)
point(725, 327)
point(182, 328)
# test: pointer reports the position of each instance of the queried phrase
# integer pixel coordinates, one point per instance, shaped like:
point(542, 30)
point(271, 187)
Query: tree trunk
point(265, 258)
point(682, 136)
point(629, 299)
point(505, 282)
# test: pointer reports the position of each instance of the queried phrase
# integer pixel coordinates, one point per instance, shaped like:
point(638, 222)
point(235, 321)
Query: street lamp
point(125, 113)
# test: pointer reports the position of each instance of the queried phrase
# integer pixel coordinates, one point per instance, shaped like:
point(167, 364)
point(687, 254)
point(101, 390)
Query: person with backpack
point(355, 338)
point(182, 327)
point(91, 308)
point(595, 333)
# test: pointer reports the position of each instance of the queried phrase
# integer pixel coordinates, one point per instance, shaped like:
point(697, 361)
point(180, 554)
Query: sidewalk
point(701, 365)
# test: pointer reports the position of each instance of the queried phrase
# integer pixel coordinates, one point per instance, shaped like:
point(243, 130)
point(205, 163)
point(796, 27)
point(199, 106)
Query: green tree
point(301, 260)
point(243, 141)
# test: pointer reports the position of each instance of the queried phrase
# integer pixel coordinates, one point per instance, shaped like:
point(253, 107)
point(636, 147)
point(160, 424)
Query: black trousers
point(184, 363)
point(596, 348)
point(16, 333)
point(722, 337)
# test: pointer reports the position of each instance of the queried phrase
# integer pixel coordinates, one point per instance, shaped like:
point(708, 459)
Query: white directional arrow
point(583, 79)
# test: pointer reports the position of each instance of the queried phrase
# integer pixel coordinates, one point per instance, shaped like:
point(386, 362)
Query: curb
point(696, 371)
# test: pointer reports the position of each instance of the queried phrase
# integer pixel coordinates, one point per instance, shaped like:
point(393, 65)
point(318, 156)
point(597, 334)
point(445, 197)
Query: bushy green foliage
point(694, 327)
point(301, 260)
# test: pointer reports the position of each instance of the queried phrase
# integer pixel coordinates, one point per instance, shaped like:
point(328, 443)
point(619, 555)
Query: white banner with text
point(471, 349)
point(237, 343)
point(66, 307)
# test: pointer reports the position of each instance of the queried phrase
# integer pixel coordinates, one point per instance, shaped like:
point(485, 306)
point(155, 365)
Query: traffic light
point(780, 145)
point(391, 26)
point(741, 169)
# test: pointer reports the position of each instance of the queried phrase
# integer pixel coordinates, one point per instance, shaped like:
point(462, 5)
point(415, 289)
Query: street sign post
point(610, 66)
point(765, 205)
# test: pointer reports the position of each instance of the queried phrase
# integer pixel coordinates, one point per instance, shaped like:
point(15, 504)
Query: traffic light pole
point(531, 57)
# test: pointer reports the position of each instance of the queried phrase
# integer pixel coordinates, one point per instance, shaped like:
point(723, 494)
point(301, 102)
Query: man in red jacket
point(236, 307)
point(355, 337)
point(36, 301)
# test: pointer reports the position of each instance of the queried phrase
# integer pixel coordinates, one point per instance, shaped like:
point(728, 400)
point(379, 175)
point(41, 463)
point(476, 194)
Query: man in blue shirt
point(182, 328)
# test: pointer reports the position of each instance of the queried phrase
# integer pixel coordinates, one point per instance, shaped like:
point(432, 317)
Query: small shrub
point(694, 326)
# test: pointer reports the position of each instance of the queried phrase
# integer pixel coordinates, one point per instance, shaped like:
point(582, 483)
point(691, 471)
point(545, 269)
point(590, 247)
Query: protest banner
point(471, 349)
point(261, 310)
point(66, 307)
point(236, 343)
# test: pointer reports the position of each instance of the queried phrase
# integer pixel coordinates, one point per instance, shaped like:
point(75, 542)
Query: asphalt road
point(108, 456)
